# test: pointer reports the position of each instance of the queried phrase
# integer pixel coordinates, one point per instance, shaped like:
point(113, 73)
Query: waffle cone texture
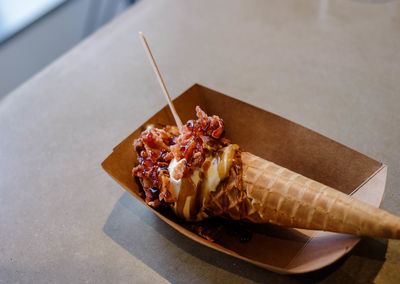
point(273, 194)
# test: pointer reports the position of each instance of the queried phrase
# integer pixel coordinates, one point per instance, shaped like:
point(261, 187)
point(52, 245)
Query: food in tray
point(200, 174)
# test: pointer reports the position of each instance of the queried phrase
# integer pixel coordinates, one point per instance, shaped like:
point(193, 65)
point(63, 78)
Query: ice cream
point(192, 192)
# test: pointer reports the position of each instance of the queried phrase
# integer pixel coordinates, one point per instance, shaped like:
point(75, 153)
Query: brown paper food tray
point(283, 142)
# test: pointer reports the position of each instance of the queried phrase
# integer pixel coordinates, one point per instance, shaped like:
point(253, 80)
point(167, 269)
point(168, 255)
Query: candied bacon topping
point(209, 126)
point(157, 147)
point(154, 156)
point(198, 138)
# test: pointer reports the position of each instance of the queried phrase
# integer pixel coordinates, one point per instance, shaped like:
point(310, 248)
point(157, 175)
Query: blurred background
point(35, 32)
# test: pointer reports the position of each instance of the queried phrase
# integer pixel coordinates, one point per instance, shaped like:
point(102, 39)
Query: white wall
point(35, 47)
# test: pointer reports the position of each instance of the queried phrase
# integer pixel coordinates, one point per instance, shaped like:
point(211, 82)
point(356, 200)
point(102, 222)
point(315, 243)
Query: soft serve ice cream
point(191, 192)
point(181, 169)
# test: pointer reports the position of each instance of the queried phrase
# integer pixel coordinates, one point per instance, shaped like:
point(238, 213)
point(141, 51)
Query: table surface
point(332, 66)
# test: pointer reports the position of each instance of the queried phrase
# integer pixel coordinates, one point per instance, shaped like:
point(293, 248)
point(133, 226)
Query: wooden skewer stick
point(160, 79)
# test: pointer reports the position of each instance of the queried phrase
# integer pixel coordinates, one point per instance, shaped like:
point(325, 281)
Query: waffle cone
point(273, 194)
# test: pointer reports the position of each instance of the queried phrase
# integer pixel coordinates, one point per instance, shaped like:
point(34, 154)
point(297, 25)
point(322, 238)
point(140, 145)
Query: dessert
point(199, 174)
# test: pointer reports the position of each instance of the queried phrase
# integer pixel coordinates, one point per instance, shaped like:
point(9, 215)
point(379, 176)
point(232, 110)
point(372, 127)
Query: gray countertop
point(332, 66)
